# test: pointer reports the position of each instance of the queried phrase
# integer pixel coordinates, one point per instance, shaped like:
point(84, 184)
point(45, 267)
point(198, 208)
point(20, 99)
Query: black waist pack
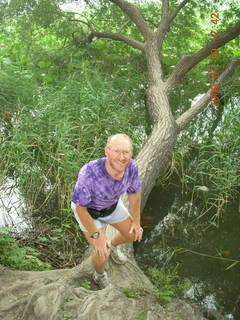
point(101, 213)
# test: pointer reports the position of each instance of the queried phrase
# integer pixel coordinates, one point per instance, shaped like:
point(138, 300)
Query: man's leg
point(98, 262)
point(123, 236)
point(100, 277)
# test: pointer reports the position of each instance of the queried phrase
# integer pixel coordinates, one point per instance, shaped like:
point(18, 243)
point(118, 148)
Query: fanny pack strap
point(94, 213)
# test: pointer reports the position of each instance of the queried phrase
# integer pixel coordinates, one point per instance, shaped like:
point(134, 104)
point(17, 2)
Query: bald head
point(120, 139)
point(118, 153)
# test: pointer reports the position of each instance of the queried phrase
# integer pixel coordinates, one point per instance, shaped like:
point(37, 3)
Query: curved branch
point(135, 15)
point(182, 4)
point(187, 116)
point(166, 20)
point(120, 37)
point(90, 26)
point(188, 62)
point(164, 25)
point(165, 8)
point(114, 36)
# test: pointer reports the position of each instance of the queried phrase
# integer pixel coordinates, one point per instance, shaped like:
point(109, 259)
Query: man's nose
point(121, 156)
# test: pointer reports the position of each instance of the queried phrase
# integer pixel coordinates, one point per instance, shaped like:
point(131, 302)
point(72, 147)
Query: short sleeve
point(82, 191)
point(135, 184)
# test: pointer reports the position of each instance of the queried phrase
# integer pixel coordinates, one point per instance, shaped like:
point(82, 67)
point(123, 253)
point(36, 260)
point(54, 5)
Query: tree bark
point(188, 62)
point(187, 116)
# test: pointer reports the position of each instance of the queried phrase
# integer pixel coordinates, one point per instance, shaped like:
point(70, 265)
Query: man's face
point(119, 153)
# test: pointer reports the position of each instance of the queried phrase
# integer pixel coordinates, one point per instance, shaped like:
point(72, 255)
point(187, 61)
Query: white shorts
point(119, 214)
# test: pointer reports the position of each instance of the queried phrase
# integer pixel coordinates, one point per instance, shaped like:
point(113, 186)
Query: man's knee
point(129, 237)
point(101, 259)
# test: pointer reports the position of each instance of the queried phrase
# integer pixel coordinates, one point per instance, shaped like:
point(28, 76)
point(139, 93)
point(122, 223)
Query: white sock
point(100, 274)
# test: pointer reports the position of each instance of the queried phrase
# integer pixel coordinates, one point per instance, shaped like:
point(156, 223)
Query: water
point(206, 250)
point(12, 207)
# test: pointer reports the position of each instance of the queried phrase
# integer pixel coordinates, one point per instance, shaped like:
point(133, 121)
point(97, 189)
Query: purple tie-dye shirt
point(95, 188)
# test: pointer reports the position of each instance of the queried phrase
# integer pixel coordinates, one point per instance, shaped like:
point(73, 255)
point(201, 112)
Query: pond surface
point(205, 249)
point(12, 207)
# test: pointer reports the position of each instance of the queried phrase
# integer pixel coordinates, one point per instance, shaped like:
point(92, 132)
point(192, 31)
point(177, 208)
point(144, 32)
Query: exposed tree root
point(58, 295)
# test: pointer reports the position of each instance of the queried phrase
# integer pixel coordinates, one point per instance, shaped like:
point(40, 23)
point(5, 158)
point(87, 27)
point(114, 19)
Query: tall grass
point(63, 128)
point(209, 169)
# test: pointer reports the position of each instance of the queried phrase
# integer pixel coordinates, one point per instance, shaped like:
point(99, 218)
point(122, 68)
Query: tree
point(50, 294)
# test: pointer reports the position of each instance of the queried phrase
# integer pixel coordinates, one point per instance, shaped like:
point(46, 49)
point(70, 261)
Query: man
point(96, 201)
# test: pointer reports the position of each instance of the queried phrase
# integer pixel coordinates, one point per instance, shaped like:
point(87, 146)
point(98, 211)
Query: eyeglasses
point(119, 152)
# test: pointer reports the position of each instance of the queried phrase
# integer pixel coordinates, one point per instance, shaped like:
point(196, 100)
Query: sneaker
point(101, 280)
point(117, 255)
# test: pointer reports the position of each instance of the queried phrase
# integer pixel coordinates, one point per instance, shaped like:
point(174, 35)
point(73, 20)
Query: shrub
point(18, 258)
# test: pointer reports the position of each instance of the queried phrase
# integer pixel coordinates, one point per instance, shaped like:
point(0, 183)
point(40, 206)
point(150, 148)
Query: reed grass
point(209, 170)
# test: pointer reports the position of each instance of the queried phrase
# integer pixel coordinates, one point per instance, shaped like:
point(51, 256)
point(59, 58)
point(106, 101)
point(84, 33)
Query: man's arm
point(135, 206)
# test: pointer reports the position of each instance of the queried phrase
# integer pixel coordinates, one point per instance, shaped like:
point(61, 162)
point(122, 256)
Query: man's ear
point(105, 151)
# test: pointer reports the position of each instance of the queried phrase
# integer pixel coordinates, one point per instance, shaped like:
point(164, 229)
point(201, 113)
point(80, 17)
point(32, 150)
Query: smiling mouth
point(122, 163)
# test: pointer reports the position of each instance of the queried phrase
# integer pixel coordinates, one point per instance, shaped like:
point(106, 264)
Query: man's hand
point(101, 246)
point(137, 230)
